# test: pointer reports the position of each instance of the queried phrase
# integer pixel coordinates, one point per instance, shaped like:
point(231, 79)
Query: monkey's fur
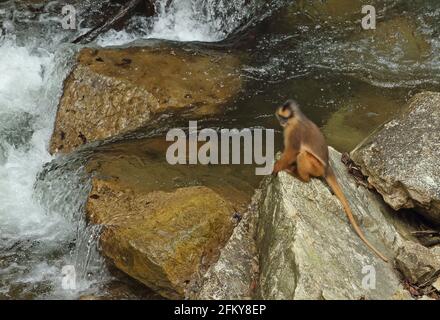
point(306, 156)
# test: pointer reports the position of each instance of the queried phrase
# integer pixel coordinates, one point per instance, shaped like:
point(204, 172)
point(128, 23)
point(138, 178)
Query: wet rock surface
point(358, 116)
point(402, 158)
point(115, 91)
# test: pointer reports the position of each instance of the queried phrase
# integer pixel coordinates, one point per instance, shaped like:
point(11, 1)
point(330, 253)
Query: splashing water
point(42, 198)
point(193, 20)
point(40, 232)
point(35, 239)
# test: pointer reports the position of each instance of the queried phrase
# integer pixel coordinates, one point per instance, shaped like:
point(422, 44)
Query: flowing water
point(347, 80)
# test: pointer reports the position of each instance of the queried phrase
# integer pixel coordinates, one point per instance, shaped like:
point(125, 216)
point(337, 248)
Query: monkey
point(306, 156)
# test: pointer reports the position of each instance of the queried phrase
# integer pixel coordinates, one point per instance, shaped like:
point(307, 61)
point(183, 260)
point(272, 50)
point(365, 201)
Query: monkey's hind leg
point(308, 166)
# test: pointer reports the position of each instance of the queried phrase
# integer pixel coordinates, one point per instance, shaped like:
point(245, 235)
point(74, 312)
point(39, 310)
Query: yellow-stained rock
point(162, 224)
point(115, 91)
point(160, 238)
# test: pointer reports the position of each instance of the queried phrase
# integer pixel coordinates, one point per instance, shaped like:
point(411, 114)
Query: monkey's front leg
point(293, 171)
point(287, 160)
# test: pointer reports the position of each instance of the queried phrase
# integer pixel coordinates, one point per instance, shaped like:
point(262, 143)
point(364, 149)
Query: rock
point(141, 165)
point(163, 225)
point(307, 248)
point(115, 91)
point(419, 264)
point(160, 238)
point(436, 284)
point(233, 276)
point(402, 158)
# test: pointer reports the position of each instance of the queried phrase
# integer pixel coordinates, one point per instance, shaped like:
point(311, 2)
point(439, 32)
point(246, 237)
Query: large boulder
point(308, 250)
point(160, 238)
point(162, 225)
point(115, 91)
point(402, 158)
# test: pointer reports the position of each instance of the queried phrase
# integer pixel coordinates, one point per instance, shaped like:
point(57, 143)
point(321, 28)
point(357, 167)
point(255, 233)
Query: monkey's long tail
point(333, 183)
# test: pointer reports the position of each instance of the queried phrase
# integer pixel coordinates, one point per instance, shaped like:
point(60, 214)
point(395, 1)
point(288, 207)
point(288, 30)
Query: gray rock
point(234, 274)
point(308, 250)
point(419, 264)
point(402, 159)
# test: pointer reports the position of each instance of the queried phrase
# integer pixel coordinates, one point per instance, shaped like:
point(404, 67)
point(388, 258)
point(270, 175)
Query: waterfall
point(193, 20)
point(42, 226)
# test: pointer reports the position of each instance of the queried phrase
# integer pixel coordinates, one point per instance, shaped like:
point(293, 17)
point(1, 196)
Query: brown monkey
point(305, 156)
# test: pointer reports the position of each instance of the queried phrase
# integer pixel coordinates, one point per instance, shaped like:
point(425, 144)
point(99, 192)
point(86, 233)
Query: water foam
point(192, 20)
point(35, 237)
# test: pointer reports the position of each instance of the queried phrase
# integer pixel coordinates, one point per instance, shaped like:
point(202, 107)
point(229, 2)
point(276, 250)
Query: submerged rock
point(402, 158)
point(116, 91)
point(329, 13)
point(358, 116)
point(399, 38)
point(333, 10)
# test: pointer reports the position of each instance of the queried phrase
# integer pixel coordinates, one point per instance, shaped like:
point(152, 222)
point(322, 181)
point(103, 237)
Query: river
point(346, 82)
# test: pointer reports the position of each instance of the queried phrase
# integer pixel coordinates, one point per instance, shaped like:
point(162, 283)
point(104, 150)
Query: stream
point(346, 81)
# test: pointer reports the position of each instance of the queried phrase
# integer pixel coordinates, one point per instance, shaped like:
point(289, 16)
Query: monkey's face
point(285, 112)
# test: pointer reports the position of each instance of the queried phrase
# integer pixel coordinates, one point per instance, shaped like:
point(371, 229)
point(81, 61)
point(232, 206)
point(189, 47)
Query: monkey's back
point(314, 142)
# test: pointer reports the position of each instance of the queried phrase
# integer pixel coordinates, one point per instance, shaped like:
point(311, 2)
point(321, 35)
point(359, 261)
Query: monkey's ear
point(287, 104)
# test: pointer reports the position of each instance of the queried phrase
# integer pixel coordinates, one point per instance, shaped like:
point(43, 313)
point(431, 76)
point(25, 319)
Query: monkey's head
point(287, 111)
